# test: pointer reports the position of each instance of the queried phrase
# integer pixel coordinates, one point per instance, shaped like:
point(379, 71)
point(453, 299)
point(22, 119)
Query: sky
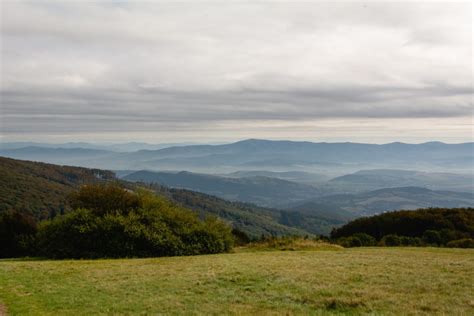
point(203, 71)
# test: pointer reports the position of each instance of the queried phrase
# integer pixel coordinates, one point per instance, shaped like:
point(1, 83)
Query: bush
point(432, 237)
point(349, 242)
point(240, 237)
point(390, 241)
point(461, 243)
point(366, 240)
point(410, 241)
point(130, 225)
point(17, 234)
point(103, 199)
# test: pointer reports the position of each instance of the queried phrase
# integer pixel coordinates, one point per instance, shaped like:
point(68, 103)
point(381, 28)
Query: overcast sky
point(208, 72)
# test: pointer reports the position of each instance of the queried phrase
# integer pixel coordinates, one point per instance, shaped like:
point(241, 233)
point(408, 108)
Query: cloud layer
point(162, 71)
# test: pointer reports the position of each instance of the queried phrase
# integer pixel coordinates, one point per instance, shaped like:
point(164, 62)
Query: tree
point(17, 232)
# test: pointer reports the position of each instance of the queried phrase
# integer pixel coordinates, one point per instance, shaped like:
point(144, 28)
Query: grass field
point(400, 281)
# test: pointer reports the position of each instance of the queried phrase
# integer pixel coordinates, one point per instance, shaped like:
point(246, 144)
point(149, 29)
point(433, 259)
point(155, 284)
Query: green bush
point(410, 241)
point(17, 234)
point(349, 242)
point(461, 243)
point(432, 237)
point(132, 225)
point(104, 198)
point(390, 241)
point(365, 239)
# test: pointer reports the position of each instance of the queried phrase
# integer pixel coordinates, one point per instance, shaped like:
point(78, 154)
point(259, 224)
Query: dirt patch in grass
point(3, 310)
point(343, 304)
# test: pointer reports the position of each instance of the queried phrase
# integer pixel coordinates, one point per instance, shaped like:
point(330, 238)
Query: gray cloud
point(163, 70)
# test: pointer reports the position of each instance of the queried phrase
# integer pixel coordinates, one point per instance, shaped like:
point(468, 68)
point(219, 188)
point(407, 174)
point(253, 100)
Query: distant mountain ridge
point(260, 190)
point(390, 199)
point(367, 180)
point(279, 155)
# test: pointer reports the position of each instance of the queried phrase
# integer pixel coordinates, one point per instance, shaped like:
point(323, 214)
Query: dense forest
point(433, 226)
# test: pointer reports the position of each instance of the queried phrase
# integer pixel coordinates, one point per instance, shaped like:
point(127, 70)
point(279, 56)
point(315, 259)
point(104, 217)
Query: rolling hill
point(389, 199)
point(260, 190)
point(41, 189)
point(367, 180)
point(309, 178)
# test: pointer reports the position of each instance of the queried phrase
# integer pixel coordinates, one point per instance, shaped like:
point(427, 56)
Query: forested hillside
point(41, 189)
point(390, 199)
point(260, 190)
point(433, 226)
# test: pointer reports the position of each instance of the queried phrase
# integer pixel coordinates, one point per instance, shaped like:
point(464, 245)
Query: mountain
point(403, 198)
point(83, 157)
point(119, 147)
point(288, 154)
point(329, 158)
point(326, 211)
point(260, 190)
point(366, 180)
point(253, 220)
point(41, 189)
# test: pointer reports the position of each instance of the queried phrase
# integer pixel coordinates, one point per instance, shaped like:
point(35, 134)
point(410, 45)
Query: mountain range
point(327, 158)
point(389, 199)
point(41, 189)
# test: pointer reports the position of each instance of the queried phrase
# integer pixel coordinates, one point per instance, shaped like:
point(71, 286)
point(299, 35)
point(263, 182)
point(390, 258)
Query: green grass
point(347, 281)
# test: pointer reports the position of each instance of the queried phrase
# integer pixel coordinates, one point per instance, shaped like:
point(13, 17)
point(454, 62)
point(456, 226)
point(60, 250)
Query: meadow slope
point(384, 281)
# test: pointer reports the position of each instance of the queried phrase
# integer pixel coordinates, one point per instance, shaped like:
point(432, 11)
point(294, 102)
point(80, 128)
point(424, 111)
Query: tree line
point(424, 227)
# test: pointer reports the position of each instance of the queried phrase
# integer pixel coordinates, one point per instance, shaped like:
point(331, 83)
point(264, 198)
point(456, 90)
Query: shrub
point(132, 225)
point(461, 243)
point(17, 234)
point(349, 242)
point(448, 235)
point(240, 237)
point(366, 240)
point(410, 241)
point(432, 237)
point(390, 241)
point(103, 199)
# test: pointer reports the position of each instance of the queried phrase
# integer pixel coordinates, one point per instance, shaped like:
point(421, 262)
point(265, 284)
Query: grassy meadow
point(408, 281)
